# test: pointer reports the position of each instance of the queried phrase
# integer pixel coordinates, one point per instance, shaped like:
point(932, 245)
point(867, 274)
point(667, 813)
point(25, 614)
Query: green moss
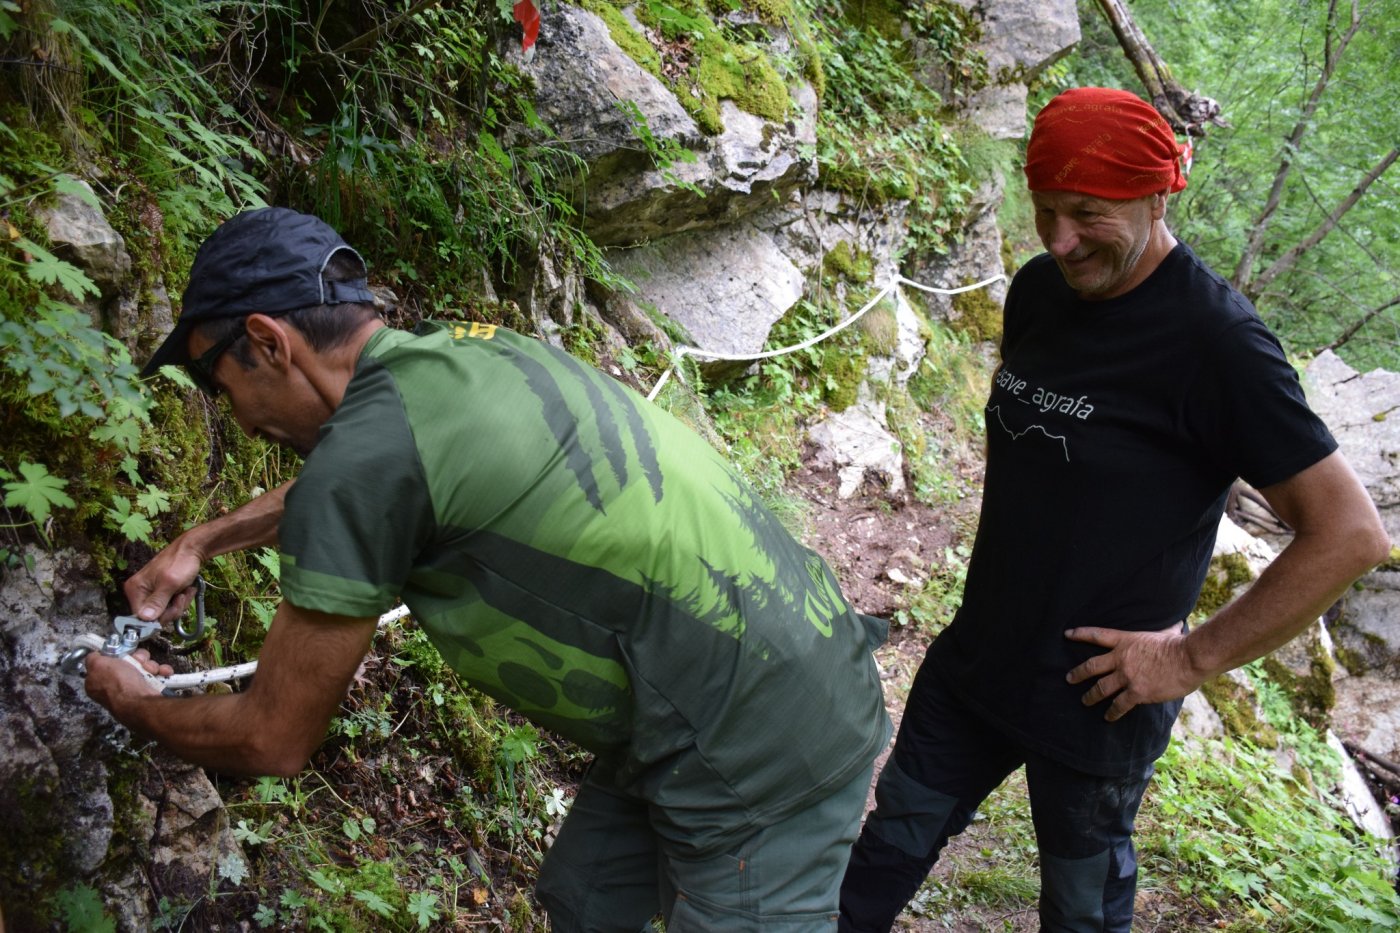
point(740, 72)
point(1313, 696)
point(812, 68)
point(32, 867)
point(1392, 563)
point(848, 262)
point(1236, 709)
point(842, 373)
point(718, 66)
point(1226, 574)
point(979, 315)
point(627, 38)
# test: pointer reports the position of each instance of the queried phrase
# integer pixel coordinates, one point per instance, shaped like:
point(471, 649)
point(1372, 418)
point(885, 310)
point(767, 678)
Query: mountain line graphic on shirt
point(1044, 400)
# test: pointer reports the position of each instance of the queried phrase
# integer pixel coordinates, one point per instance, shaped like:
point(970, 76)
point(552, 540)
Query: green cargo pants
point(608, 872)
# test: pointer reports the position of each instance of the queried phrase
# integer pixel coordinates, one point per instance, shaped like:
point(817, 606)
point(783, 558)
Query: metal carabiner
point(186, 634)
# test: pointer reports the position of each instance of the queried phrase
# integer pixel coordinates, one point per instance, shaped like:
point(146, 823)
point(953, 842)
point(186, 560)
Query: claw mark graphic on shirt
point(1017, 435)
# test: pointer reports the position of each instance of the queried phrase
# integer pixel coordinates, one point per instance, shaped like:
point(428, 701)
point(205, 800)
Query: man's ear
point(269, 340)
point(1159, 204)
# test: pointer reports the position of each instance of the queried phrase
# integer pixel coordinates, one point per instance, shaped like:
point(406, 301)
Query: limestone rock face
point(64, 760)
point(580, 74)
point(726, 288)
point(581, 78)
point(976, 258)
point(1020, 39)
point(1363, 412)
point(859, 446)
point(81, 234)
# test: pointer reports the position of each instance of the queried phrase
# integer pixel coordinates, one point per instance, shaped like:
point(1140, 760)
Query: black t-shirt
point(1114, 431)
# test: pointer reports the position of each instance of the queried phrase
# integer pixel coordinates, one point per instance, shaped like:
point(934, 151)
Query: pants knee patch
point(908, 815)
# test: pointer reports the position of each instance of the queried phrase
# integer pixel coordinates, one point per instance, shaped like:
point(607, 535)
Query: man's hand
point(1139, 667)
point(110, 680)
point(162, 590)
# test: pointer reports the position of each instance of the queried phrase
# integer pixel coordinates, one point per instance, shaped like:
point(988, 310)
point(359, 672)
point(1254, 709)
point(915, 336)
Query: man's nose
point(1061, 238)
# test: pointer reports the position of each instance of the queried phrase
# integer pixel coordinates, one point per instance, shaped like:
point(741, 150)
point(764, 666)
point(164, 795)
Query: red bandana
point(1103, 142)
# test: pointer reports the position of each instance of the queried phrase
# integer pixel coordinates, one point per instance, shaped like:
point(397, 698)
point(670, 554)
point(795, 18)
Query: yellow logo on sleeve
point(477, 329)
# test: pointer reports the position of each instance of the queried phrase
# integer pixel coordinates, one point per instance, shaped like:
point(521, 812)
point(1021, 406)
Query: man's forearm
point(1338, 537)
point(253, 524)
point(1302, 583)
point(210, 731)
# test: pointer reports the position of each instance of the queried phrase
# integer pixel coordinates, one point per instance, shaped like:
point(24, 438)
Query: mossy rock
point(848, 262)
point(1238, 712)
point(627, 38)
point(718, 67)
point(978, 314)
point(1226, 574)
point(842, 373)
point(1313, 695)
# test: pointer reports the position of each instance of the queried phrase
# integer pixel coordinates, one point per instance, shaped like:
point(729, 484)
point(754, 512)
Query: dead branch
point(1187, 112)
point(1362, 322)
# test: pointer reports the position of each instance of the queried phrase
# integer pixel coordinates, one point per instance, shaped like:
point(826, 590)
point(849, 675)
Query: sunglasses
point(201, 370)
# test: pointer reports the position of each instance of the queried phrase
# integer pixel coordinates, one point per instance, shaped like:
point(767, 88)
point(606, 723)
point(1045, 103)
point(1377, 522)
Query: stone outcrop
point(75, 793)
point(1319, 688)
point(1363, 412)
point(1020, 39)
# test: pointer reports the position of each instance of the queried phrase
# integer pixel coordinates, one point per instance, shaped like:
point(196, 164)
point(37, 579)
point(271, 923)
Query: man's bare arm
point(164, 587)
point(304, 669)
point(1338, 537)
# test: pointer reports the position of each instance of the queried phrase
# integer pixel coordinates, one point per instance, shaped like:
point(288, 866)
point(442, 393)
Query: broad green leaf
point(48, 269)
point(375, 903)
point(125, 434)
point(38, 492)
point(423, 907)
point(67, 184)
point(153, 501)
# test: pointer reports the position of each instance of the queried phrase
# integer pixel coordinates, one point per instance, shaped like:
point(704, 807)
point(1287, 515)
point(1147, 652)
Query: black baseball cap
point(266, 261)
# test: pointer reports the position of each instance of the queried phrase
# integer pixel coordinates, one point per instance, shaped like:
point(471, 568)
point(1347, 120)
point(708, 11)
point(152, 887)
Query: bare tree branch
point(1187, 112)
point(1362, 322)
point(1332, 55)
point(1282, 264)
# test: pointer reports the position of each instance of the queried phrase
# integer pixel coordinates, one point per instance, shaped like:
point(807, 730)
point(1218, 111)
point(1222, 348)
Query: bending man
point(570, 549)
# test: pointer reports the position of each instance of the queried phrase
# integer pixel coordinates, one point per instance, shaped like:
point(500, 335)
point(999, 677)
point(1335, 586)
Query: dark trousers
point(945, 762)
point(609, 872)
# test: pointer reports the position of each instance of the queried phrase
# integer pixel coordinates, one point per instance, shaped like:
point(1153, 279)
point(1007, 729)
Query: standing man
point(570, 549)
point(1135, 386)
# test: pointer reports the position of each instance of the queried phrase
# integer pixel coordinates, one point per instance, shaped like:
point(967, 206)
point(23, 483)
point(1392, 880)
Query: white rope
point(216, 675)
point(679, 353)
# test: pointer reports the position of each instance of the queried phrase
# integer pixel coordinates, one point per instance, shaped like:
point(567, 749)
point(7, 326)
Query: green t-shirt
point(585, 558)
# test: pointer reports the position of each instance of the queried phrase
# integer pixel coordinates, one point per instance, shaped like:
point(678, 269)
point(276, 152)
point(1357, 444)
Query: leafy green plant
point(1225, 827)
point(37, 491)
point(880, 131)
point(80, 908)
